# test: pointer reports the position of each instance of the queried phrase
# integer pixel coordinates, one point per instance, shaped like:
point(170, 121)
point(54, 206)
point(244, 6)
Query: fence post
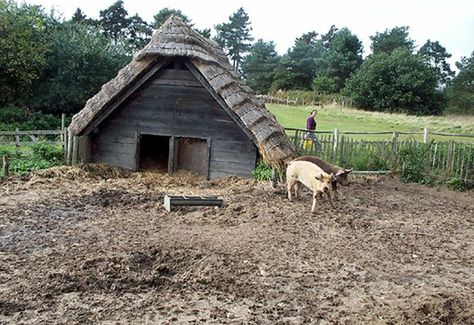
point(425, 135)
point(69, 147)
point(394, 150)
point(335, 140)
point(6, 166)
point(17, 140)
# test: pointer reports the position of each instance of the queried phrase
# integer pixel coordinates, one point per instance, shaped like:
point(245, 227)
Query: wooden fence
point(446, 159)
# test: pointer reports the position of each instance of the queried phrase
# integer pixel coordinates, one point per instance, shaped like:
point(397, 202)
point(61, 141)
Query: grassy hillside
point(347, 119)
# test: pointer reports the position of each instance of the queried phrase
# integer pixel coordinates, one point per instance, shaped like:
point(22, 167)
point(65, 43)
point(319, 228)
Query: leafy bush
point(458, 184)
point(47, 152)
point(396, 82)
point(370, 161)
point(25, 166)
point(413, 162)
point(12, 117)
point(262, 172)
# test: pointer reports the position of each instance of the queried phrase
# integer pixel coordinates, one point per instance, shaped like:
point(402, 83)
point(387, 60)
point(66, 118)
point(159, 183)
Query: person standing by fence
point(311, 125)
point(310, 137)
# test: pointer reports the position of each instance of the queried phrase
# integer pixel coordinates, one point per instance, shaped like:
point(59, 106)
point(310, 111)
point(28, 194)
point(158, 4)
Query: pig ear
point(318, 177)
point(340, 172)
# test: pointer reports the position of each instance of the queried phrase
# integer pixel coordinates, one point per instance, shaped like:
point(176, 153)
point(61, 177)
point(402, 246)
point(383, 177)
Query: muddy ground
point(95, 245)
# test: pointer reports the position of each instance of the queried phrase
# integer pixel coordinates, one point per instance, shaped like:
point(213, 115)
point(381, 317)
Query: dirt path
point(78, 248)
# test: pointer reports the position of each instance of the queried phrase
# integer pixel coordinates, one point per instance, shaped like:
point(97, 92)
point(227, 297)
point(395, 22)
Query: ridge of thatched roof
point(176, 39)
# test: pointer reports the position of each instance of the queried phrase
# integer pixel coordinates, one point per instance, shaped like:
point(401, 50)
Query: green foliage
point(413, 162)
point(369, 161)
point(392, 39)
point(324, 85)
point(303, 61)
point(117, 26)
point(12, 117)
point(259, 65)
point(43, 156)
point(262, 172)
point(163, 14)
point(458, 184)
point(81, 59)
point(24, 46)
point(344, 57)
point(53, 154)
point(396, 82)
point(461, 91)
point(436, 56)
point(25, 166)
point(114, 21)
point(235, 36)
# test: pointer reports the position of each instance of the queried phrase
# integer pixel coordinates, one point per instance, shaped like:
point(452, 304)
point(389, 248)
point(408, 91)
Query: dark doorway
point(154, 153)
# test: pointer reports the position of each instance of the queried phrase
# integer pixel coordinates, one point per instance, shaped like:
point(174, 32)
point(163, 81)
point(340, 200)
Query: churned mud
point(93, 244)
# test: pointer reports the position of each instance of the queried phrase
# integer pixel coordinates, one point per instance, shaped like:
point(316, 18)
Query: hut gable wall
point(174, 103)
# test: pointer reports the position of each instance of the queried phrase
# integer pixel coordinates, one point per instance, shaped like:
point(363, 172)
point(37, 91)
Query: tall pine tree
point(235, 36)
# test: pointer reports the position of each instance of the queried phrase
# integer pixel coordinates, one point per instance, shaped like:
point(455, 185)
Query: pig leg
point(328, 193)
point(334, 188)
point(290, 185)
point(315, 198)
point(297, 190)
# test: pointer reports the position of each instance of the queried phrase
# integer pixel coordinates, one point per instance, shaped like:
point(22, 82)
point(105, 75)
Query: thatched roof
point(176, 39)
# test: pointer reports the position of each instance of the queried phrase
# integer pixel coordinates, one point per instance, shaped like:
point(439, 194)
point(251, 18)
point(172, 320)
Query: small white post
point(425, 135)
point(336, 139)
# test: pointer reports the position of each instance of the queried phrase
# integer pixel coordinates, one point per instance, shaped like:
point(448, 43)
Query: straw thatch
point(176, 39)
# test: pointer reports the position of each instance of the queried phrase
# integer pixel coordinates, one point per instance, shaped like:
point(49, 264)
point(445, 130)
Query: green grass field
point(348, 119)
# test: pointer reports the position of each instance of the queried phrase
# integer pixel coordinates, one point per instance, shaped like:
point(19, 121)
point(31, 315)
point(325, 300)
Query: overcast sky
point(451, 22)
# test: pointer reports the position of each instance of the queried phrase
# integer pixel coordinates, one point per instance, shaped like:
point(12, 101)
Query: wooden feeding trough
point(185, 200)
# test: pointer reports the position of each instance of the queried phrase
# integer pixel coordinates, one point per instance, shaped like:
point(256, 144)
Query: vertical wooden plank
point(6, 166)
point(208, 157)
point(75, 150)
point(69, 149)
point(17, 141)
point(137, 151)
point(172, 155)
point(65, 136)
point(425, 135)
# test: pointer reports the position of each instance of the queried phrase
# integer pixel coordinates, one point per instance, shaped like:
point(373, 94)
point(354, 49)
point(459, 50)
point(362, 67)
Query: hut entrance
point(154, 152)
point(170, 154)
point(192, 154)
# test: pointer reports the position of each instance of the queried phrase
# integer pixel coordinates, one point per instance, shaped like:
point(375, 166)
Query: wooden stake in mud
point(6, 166)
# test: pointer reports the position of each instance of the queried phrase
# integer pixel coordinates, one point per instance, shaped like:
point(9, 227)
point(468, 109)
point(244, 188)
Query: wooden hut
point(178, 105)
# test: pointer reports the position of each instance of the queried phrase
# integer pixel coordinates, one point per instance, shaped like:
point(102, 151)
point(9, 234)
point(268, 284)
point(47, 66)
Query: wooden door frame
point(172, 150)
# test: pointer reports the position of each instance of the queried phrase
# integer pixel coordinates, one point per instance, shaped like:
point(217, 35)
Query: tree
point(235, 36)
point(392, 39)
point(461, 91)
point(80, 60)
point(138, 32)
point(396, 82)
point(259, 65)
point(303, 61)
point(163, 14)
point(324, 85)
point(114, 21)
point(78, 16)
point(24, 47)
point(436, 55)
point(344, 56)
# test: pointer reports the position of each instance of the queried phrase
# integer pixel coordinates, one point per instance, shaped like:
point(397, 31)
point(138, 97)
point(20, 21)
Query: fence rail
point(19, 138)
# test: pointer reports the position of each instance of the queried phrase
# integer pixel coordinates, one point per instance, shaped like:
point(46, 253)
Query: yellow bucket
point(307, 144)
